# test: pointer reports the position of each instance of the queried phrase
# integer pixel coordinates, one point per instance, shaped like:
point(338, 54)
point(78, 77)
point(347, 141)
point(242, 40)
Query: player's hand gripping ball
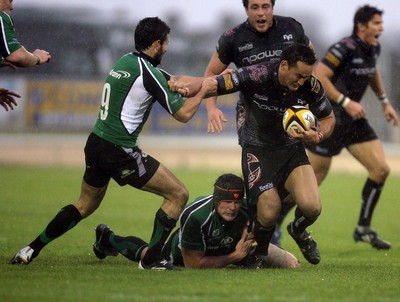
point(296, 117)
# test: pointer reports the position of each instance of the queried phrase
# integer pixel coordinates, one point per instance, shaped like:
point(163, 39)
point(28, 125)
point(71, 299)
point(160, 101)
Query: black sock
point(370, 196)
point(163, 225)
point(65, 220)
point(263, 236)
point(130, 247)
point(301, 222)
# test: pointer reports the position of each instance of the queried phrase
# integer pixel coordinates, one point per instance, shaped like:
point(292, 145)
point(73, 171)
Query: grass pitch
point(67, 270)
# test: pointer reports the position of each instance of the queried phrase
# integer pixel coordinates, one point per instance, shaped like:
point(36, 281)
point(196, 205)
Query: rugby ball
point(296, 117)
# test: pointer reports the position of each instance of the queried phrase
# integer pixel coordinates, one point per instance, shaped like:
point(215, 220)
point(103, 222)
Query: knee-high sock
point(66, 219)
point(301, 222)
point(370, 196)
point(163, 225)
point(130, 247)
point(263, 236)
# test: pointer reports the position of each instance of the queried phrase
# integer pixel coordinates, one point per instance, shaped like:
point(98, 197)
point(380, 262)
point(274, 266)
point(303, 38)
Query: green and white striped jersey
point(8, 42)
point(202, 229)
point(129, 92)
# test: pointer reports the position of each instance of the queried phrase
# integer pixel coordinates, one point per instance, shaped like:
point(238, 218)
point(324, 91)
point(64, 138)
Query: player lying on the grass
point(213, 234)
point(131, 88)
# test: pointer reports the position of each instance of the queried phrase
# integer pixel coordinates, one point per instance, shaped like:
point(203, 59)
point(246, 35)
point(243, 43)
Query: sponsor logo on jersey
point(248, 46)
point(270, 107)
point(262, 56)
point(288, 37)
point(363, 71)
point(226, 241)
point(357, 61)
point(266, 187)
point(119, 74)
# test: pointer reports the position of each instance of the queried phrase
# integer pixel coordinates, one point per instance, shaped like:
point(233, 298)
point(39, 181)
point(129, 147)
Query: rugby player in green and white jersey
point(111, 151)
point(213, 233)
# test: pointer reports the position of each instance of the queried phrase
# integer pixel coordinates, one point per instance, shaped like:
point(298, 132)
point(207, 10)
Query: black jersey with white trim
point(244, 46)
point(353, 64)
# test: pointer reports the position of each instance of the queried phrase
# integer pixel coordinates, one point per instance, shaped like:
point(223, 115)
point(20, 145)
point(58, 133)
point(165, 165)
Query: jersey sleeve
point(225, 46)
point(191, 235)
point(302, 37)
point(338, 53)
point(321, 107)
point(157, 85)
point(8, 40)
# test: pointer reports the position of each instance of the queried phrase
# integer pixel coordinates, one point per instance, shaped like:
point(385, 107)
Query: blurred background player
point(213, 234)
point(129, 92)
point(346, 71)
point(261, 38)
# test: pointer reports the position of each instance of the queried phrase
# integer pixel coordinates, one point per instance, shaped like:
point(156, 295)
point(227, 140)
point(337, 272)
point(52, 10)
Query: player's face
point(370, 32)
point(6, 6)
point(293, 77)
point(260, 14)
point(161, 50)
point(228, 209)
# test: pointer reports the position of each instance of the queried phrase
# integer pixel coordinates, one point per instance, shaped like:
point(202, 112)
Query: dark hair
point(246, 3)
point(149, 30)
point(299, 52)
point(363, 15)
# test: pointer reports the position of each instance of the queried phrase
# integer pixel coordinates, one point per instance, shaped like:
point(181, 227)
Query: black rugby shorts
point(344, 135)
point(264, 169)
point(105, 160)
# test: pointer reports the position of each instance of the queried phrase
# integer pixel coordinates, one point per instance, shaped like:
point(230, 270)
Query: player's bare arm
point(325, 74)
point(215, 115)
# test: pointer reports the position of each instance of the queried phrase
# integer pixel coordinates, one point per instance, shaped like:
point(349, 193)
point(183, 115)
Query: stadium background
point(60, 100)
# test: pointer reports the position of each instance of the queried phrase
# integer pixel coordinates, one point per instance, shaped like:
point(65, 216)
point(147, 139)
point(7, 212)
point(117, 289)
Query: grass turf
point(67, 269)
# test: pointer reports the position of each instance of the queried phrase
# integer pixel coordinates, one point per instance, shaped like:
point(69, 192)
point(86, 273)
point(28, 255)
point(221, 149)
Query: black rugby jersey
point(354, 64)
point(244, 46)
point(266, 100)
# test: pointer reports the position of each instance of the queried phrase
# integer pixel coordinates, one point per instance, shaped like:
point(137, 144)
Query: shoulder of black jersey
point(287, 19)
point(347, 42)
point(231, 32)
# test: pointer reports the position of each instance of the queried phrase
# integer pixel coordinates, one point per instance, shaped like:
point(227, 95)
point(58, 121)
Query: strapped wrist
point(37, 60)
point(383, 98)
point(343, 100)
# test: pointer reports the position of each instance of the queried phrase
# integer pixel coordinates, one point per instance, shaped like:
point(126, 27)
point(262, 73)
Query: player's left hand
point(390, 114)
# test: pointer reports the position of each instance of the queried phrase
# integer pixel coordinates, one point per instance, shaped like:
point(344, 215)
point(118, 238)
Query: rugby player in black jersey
point(261, 38)
point(346, 71)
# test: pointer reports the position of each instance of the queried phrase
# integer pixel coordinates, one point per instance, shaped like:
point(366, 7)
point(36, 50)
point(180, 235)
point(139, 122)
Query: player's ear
point(284, 65)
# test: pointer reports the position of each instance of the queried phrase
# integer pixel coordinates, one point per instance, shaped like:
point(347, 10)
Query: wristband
point(383, 98)
point(343, 101)
point(37, 60)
